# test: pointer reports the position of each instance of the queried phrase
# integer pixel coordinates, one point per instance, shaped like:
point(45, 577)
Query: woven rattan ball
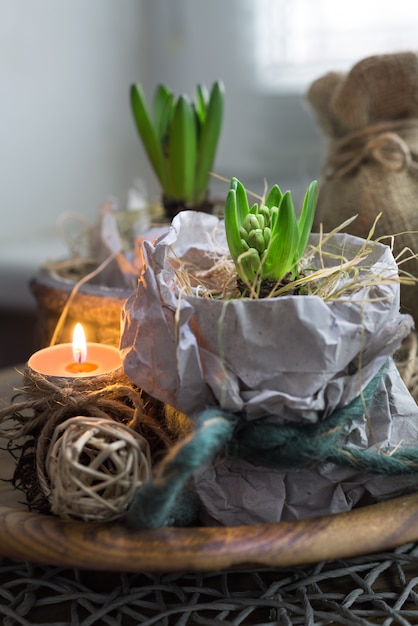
point(94, 466)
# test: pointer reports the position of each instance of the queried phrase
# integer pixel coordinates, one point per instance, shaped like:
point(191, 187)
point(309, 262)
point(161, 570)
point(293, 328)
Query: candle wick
point(78, 352)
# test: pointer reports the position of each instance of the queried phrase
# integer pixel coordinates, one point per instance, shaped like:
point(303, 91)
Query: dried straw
point(341, 279)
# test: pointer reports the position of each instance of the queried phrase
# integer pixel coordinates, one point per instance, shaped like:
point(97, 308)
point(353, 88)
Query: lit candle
point(79, 346)
point(69, 360)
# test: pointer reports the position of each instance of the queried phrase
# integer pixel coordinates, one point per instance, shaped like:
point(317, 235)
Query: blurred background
point(68, 142)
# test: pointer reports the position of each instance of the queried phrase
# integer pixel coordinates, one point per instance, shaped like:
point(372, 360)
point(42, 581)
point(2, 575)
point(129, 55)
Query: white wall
point(67, 139)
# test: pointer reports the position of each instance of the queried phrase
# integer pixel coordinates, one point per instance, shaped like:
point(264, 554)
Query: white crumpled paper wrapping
point(236, 492)
point(120, 230)
point(293, 358)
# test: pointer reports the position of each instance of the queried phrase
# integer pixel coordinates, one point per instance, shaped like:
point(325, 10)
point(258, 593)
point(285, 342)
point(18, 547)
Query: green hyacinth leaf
point(232, 228)
point(279, 259)
point(274, 197)
point(202, 101)
point(307, 217)
point(147, 132)
point(164, 133)
point(208, 140)
point(243, 207)
point(274, 214)
point(164, 122)
point(161, 95)
point(182, 151)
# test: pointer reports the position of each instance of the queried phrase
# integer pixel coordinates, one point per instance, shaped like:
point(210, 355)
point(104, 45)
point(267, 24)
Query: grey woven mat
point(379, 589)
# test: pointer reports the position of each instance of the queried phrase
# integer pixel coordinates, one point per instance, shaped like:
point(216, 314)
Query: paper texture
point(121, 228)
point(235, 492)
point(293, 358)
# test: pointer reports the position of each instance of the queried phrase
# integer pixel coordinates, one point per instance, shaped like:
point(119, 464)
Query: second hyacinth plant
point(180, 138)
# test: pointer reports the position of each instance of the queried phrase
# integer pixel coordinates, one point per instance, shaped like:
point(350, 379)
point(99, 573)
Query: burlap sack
point(370, 117)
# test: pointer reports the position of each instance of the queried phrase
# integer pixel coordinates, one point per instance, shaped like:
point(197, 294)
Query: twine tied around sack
point(380, 142)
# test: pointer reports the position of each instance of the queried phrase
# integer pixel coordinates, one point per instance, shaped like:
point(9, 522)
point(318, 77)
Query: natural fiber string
point(270, 445)
point(49, 403)
point(46, 398)
point(349, 152)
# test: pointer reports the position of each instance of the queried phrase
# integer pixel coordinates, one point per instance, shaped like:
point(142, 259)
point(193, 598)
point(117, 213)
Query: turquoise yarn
point(156, 503)
point(296, 446)
point(163, 502)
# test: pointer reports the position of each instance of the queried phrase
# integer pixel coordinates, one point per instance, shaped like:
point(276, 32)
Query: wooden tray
point(113, 547)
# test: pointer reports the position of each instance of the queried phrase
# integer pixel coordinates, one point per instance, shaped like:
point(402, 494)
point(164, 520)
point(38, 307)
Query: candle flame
point(79, 344)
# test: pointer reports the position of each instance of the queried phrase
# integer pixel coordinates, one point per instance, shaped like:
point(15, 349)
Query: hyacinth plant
point(267, 241)
point(180, 138)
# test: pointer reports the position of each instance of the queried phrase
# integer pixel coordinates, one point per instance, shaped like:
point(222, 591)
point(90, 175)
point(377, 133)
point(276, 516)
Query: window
point(299, 40)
